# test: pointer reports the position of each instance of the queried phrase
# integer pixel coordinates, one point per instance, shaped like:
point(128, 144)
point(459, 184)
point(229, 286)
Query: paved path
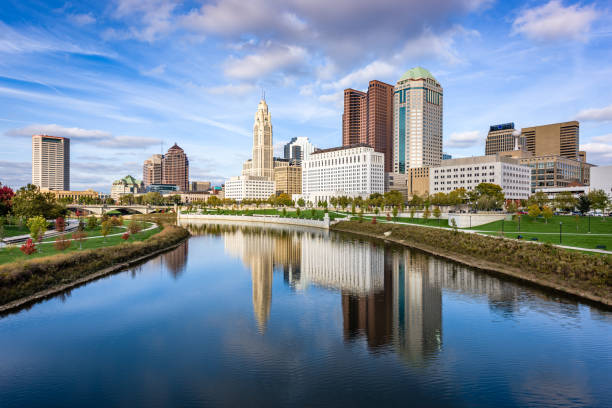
point(71, 225)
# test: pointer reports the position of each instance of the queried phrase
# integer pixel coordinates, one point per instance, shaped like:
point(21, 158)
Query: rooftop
point(333, 149)
point(417, 73)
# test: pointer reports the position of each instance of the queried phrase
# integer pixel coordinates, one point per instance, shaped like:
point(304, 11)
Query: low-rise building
point(551, 192)
point(127, 185)
point(601, 179)
point(200, 186)
point(354, 170)
point(194, 196)
point(418, 181)
point(249, 187)
point(552, 171)
point(73, 195)
point(162, 189)
point(397, 182)
point(513, 177)
point(288, 179)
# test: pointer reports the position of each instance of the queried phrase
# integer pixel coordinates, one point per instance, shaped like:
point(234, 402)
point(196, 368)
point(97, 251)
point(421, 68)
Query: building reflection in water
point(173, 261)
point(390, 296)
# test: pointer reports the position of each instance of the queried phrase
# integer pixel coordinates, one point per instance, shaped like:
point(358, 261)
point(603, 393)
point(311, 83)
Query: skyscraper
point(503, 138)
point(263, 148)
point(152, 170)
point(51, 162)
point(417, 123)
point(175, 168)
point(368, 119)
point(298, 148)
point(561, 139)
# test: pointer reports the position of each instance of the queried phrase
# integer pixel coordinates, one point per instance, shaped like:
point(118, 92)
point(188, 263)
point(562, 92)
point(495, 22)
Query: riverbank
point(24, 282)
point(585, 276)
point(314, 223)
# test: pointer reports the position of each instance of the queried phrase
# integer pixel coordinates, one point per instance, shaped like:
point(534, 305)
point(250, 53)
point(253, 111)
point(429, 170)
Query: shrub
point(115, 222)
point(62, 243)
point(373, 220)
point(125, 236)
point(28, 248)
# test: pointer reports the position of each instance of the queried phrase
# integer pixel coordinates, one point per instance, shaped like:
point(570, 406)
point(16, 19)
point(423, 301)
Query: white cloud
point(99, 138)
point(552, 22)
point(156, 18)
point(82, 19)
point(269, 60)
point(596, 114)
point(360, 77)
point(462, 140)
point(599, 152)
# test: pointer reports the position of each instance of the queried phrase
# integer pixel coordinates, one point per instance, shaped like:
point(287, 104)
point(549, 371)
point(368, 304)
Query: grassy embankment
point(94, 240)
point(588, 276)
point(574, 230)
point(26, 278)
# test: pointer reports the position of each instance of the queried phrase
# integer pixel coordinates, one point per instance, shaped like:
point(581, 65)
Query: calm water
point(256, 316)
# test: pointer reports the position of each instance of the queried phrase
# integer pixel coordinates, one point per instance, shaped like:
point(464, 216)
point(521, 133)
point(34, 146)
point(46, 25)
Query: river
point(267, 316)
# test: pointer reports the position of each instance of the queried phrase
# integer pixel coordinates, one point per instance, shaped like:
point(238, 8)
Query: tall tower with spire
point(263, 148)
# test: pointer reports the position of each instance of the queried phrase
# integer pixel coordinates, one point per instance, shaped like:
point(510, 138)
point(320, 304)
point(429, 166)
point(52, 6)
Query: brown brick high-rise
point(368, 119)
point(176, 168)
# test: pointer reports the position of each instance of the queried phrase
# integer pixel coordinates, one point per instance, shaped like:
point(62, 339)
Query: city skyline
point(499, 62)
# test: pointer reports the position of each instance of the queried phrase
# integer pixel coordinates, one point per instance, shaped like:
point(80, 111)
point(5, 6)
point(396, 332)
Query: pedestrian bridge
point(100, 209)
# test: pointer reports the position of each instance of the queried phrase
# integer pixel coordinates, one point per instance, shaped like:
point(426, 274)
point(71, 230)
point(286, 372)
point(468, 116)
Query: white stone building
point(355, 170)
point(417, 121)
point(601, 179)
point(251, 187)
point(468, 172)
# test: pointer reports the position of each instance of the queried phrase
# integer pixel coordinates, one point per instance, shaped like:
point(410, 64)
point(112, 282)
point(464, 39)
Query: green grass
point(96, 232)
point(574, 230)
point(14, 253)
point(14, 230)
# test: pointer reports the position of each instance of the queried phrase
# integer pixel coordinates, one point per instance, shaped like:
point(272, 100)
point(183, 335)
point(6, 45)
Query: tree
point(540, 198)
point(6, 196)
point(584, 204)
point(92, 222)
point(29, 202)
point(457, 197)
point(105, 229)
point(437, 213)
point(547, 213)
point(566, 201)
point(426, 214)
point(283, 199)
point(301, 202)
point(28, 248)
point(334, 202)
point(134, 227)
point(599, 200)
point(62, 243)
point(79, 236)
point(494, 197)
point(60, 224)
point(37, 226)
point(511, 207)
point(395, 212)
point(214, 201)
point(411, 213)
point(533, 210)
point(393, 198)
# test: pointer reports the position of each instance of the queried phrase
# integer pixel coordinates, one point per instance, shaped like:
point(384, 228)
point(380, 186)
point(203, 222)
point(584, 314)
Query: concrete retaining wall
point(474, 220)
point(269, 220)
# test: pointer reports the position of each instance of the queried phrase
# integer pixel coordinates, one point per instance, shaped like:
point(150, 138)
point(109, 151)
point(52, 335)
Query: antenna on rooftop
point(263, 94)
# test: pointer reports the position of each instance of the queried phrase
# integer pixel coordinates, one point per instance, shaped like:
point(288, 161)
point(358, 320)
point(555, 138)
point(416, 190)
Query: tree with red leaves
point(6, 196)
point(60, 224)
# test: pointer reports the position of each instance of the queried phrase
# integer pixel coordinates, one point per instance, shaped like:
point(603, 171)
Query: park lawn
point(579, 241)
point(14, 230)
point(12, 254)
point(599, 225)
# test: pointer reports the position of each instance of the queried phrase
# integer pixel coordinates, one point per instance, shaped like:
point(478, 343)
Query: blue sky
point(120, 77)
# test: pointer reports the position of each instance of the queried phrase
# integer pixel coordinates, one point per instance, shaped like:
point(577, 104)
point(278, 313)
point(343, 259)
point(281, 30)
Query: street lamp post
point(560, 232)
